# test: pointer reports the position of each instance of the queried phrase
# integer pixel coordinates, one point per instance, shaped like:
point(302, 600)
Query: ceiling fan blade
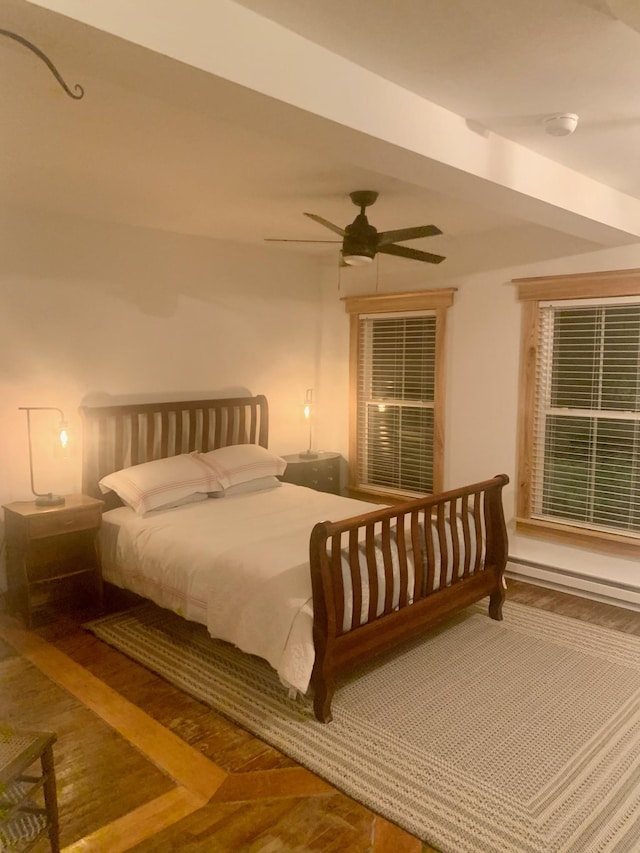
point(326, 223)
point(287, 240)
point(402, 234)
point(414, 254)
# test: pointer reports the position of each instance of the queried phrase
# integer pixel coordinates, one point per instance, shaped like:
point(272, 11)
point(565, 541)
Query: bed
point(254, 559)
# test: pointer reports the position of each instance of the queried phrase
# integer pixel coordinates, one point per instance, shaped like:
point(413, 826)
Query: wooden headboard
point(116, 437)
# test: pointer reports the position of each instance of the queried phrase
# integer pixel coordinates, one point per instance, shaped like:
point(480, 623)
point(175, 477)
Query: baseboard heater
point(566, 580)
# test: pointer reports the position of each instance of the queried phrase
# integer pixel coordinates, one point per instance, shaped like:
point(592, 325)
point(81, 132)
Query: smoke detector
point(560, 124)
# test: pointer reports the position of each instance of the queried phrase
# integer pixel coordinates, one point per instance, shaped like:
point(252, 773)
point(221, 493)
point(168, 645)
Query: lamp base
point(308, 454)
point(49, 500)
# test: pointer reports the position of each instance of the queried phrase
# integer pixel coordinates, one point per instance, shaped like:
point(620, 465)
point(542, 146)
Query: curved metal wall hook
point(47, 62)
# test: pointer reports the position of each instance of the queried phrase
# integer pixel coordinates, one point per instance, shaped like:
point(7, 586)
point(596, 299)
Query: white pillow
point(241, 463)
point(258, 485)
point(161, 483)
point(197, 497)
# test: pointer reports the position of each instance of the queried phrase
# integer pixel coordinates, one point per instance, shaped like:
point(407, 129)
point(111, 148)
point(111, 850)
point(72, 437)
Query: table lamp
point(47, 498)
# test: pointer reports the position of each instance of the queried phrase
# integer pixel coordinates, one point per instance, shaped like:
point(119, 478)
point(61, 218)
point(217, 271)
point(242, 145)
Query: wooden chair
point(22, 821)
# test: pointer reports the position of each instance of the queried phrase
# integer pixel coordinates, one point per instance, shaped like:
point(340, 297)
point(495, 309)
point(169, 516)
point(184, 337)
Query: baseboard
point(575, 583)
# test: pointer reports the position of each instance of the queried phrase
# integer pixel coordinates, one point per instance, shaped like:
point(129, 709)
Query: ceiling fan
point(361, 242)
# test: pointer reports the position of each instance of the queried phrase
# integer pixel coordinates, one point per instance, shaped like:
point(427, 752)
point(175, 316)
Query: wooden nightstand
point(321, 472)
point(51, 551)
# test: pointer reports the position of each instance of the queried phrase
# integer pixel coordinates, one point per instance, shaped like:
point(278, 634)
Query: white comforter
point(238, 564)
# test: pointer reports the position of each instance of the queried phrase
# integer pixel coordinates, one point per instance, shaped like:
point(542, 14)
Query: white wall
point(483, 351)
point(96, 313)
point(93, 313)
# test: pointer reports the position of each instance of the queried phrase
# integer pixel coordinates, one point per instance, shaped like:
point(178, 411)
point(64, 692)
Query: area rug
point(483, 737)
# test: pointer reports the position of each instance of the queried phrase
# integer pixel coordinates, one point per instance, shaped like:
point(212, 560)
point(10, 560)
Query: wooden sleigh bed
point(377, 578)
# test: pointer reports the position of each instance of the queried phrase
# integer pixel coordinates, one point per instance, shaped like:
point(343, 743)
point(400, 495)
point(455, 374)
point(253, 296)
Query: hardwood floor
point(142, 766)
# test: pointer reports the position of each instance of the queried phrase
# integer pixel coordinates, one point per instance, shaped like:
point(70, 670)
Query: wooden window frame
point(531, 292)
point(437, 301)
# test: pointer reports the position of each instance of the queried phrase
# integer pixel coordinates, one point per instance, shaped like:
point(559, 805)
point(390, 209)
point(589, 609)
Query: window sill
point(626, 546)
point(378, 497)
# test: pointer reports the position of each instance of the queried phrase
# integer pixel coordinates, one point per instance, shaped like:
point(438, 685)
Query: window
point(580, 429)
point(397, 391)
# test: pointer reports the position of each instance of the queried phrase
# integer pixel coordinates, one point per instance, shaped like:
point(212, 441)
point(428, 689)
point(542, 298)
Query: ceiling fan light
point(357, 260)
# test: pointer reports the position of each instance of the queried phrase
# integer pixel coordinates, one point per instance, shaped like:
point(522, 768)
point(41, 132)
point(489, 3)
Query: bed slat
point(429, 581)
point(442, 542)
point(418, 556)
point(477, 520)
point(372, 571)
point(150, 437)
point(389, 586)
point(466, 536)
point(455, 545)
point(356, 578)
point(336, 560)
point(402, 561)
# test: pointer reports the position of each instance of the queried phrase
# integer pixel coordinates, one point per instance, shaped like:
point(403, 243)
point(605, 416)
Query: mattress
point(237, 564)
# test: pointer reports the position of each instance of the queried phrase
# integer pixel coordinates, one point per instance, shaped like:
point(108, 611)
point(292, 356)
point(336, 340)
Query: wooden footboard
point(387, 575)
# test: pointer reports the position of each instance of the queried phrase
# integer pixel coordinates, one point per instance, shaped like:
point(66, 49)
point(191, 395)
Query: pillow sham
point(240, 463)
point(161, 483)
point(196, 497)
point(258, 485)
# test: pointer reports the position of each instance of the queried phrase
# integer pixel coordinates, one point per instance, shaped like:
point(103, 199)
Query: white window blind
point(395, 408)
point(586, 456)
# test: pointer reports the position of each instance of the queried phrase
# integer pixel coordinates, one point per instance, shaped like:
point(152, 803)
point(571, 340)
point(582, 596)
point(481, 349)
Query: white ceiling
point(164, 144)
point(504, 64)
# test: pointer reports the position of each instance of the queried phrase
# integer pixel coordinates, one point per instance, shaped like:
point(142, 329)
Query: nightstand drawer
point(321, 472)
point(324, 475)
point(56, 523)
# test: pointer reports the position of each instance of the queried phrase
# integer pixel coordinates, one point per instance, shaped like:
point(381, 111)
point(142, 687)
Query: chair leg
point(51, 799)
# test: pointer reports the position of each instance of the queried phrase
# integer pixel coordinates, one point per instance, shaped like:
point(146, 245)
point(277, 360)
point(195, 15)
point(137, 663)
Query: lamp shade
point(308, 416)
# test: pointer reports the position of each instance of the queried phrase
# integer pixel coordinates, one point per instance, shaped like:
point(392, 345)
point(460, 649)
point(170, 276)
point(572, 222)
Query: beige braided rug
point(521, 735)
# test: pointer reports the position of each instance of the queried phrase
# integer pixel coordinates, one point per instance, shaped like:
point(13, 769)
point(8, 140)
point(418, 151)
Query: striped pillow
point(162, 483)
point(241, 463)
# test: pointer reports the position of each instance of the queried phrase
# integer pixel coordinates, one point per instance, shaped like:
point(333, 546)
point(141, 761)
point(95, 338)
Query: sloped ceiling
point(228, 120)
